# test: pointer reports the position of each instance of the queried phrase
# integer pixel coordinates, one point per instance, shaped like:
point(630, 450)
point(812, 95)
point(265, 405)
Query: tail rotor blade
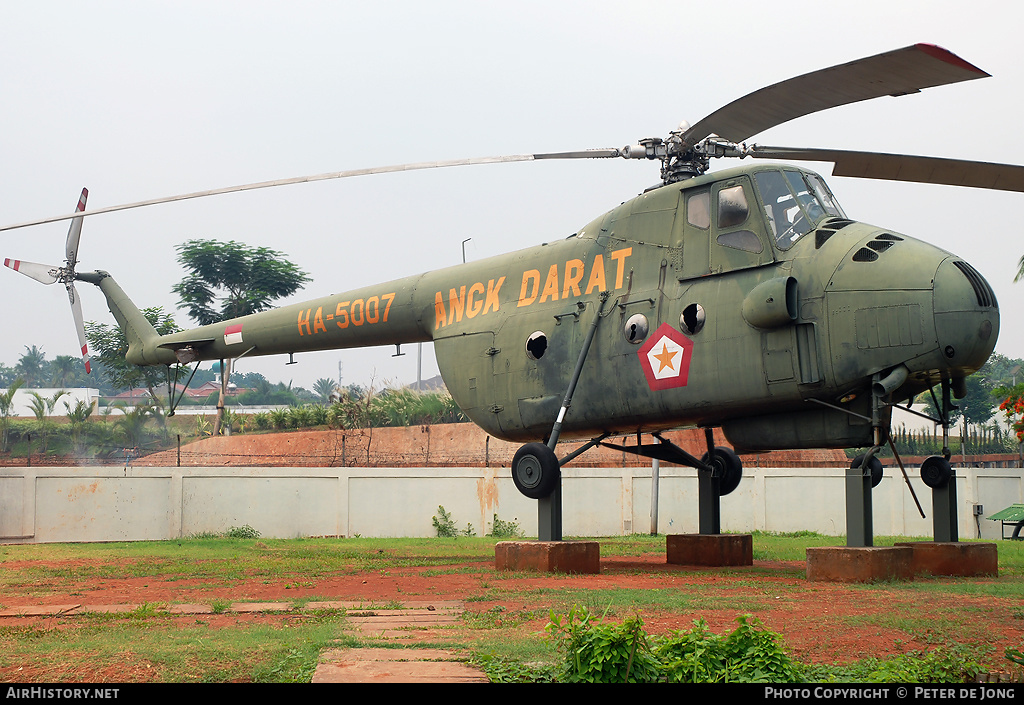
point(76, 311)
point(45, 273)
point(75, 231)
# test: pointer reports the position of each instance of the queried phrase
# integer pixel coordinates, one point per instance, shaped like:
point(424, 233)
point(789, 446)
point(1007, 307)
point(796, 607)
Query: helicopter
point(744, 298)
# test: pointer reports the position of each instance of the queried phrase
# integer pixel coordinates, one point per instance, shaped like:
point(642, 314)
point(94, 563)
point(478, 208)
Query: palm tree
point(6, 404)
point(63, 369)
point(43, 407)
point(30, 366)
point(323, 388)
point(1020, 270)
point(78, 417)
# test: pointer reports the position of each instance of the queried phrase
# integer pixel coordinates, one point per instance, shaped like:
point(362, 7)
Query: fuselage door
point(737, 234)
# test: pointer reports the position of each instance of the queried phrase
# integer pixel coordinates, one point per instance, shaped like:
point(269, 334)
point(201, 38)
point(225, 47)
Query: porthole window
point(692, 319)
point(636, 328)
point(536, 345)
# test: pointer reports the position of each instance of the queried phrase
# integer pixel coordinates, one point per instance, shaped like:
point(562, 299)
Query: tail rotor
point(51, 274)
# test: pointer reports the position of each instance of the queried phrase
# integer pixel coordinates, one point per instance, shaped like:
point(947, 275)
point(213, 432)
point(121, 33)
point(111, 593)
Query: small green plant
point(1015, 655)
point(750, 654)
point(203, 426)
point(505, 529)
point(242, 532)
point(444, 525)
point(603, 652)
point(469, 530)
point(506, 670)
point(951, 663)
point(220, 606)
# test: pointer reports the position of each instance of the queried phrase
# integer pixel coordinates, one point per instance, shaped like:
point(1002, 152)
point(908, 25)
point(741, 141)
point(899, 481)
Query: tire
point(729, 468)
point(936, 471)
point(875, 466)
point(535, 470)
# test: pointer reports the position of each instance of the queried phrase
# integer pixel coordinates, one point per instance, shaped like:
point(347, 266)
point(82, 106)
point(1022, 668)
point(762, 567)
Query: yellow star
point(665, 357)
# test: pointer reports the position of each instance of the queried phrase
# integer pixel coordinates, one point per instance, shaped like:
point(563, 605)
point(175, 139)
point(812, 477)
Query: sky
point(142, 100)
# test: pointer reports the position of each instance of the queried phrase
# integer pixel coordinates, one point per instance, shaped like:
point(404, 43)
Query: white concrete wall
point(22, 402)
point(114, 504)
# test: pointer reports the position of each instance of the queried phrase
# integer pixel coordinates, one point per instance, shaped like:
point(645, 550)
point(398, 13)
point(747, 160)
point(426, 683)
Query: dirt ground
point(819, 622)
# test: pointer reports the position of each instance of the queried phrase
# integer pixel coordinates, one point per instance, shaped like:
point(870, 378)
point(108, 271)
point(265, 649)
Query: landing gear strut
point(535, 468)
point(938, 474)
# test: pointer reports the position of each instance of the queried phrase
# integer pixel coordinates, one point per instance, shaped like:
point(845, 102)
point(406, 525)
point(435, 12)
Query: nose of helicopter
point(966, 316)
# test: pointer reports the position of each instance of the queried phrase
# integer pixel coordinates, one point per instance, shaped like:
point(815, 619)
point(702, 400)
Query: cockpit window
point(794, 203)
point(828, 201)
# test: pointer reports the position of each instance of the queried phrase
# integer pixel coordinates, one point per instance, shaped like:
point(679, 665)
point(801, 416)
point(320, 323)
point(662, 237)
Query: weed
point(603, 652)
point(444, 524)
point(147, 610)
point(220, 606)
point(242, 532)
point(950, 663)
point(750, 654)
point(500, 669)
point(505, 529)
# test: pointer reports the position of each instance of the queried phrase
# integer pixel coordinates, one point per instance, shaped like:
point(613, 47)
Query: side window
point(741, 240)
point(733, 212)
point(698, 209)
point(732, 207)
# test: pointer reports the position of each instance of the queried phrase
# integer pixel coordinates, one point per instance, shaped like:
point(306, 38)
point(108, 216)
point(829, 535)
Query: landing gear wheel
point(936, 471)
point(875, 466)
point(728, 467)
point(535, 470)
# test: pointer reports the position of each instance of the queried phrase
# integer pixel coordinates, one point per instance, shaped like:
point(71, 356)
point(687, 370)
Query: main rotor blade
point(45, 273)
point(75, 232)
point(583, 154)
point(76, 312)
point(894, 73)
point(905, 167)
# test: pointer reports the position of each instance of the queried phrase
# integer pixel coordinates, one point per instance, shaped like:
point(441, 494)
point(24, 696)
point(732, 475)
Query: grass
point(148, 644)
point(152, 649)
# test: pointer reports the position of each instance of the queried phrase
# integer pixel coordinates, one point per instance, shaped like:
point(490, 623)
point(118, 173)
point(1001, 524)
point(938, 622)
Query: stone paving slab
point(413, 609)
point(39, 610)
point(394, 666)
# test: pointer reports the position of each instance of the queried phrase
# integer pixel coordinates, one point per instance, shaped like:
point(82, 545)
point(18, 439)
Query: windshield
point(794, 203)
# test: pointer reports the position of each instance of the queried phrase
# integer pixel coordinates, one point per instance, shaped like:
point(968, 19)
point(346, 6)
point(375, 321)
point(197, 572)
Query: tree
point(976, 407)
point(64, 371)
point(110, 345)
point(1020, 270)
point(42, 408)
point(230, 279)
point(31, 366)
point(6, 405)
point(323, 388)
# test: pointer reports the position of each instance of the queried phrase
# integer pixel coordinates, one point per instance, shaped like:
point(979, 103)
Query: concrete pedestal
point(953, 558)
point(710, 549)
point(548, 556)
point(859, 564)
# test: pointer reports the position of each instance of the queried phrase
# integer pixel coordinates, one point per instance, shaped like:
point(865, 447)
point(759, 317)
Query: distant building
point(199, 393)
